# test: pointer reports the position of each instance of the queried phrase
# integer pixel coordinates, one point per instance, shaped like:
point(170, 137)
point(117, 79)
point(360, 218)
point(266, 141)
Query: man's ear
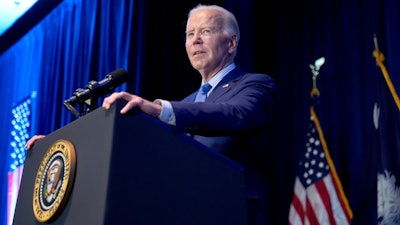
point(233, 42)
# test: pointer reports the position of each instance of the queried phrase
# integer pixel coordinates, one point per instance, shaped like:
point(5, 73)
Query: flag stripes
point(14, 180)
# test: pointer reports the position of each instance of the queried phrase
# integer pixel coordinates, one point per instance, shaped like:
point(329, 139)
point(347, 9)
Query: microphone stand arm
point(85, 106)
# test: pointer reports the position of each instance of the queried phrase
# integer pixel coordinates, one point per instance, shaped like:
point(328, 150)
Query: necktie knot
point(202, 94)
point(205, 88)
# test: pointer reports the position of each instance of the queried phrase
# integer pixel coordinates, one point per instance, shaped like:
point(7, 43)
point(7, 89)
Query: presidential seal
point(54, 181)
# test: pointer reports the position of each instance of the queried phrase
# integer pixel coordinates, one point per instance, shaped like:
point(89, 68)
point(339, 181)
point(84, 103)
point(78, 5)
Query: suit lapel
point(226, 84)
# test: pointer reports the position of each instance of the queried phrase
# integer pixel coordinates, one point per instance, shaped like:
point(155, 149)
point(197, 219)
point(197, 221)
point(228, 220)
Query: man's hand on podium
point(29, 144)
point(132, 101)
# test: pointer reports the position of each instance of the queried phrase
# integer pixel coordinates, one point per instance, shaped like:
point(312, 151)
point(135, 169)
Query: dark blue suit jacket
point(236, 120)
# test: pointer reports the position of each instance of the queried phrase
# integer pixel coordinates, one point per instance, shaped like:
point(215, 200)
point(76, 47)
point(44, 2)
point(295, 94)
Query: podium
point(134, 169)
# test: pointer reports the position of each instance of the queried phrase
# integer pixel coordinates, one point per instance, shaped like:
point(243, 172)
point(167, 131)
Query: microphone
point(100, 88)
point(96, 89)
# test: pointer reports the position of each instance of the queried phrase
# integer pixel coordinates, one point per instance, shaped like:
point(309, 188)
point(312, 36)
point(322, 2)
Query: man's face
point(207, 46)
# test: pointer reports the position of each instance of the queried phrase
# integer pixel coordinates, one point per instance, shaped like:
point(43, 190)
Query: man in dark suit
point(236, 116)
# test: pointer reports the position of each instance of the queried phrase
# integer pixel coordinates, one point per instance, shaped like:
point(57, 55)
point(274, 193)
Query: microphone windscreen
point(119, 76)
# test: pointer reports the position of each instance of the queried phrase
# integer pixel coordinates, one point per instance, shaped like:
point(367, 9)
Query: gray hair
point(230, 26)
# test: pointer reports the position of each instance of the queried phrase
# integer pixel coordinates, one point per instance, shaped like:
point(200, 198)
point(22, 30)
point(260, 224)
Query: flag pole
point(379, 61)
point(315, 93)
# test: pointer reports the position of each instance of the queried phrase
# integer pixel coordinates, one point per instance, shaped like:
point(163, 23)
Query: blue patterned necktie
point(202, 94)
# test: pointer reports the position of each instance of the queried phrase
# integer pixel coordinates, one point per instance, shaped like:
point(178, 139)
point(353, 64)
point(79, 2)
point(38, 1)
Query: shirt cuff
point(167, 114)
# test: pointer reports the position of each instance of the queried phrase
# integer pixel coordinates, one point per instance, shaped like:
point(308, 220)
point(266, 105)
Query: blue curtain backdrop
point(81, 41)
point(77, 42)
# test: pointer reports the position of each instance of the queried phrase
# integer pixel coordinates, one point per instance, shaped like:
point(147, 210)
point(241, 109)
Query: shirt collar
point(219, 76)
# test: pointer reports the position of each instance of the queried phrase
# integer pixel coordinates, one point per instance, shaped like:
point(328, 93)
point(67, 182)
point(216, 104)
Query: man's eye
point(189, 34)
point(206, 32)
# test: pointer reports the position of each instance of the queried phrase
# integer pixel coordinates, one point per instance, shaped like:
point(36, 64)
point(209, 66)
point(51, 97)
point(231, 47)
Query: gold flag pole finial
point(378, 54)
point(315, 71)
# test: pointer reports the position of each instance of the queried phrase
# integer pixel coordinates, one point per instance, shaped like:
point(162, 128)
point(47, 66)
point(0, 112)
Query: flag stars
point(20, 133)
point(314, 162)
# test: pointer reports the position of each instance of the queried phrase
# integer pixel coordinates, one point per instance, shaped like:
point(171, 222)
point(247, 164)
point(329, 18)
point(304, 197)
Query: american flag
point(318, 195)
point(20, 130)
